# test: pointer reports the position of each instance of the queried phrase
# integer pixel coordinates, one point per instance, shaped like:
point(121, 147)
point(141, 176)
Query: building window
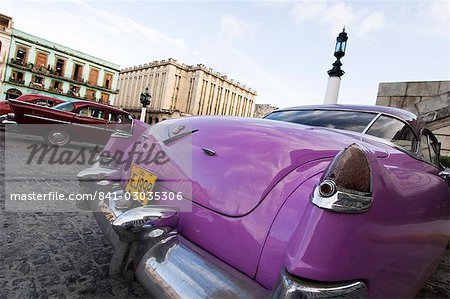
point(176, 90)
point(107, 81)
point(105, 98)
point(90, 95)
point(56, 86)
point(202, 97)
point(59, 67)
point(77, 72)
point(21, 55)
point(74, 91)
point(17, 77)
point(225, 102)
point(41, 60)
point(93, 77)
point(37, 82)
point(212, 90)
point(4, 22)
point(191, 88)
point(219, 96)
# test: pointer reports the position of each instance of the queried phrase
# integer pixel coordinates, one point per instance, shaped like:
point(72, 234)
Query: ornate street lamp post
point(334, 81)
point(145, 101)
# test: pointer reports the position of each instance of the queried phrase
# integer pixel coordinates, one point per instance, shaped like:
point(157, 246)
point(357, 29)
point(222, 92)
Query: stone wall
point(263, 109)
point(429, 100)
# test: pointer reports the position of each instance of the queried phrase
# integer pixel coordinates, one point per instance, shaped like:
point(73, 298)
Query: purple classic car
point(313, 201)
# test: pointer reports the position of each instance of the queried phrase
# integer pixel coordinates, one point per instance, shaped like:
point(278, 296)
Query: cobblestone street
point(64, 255)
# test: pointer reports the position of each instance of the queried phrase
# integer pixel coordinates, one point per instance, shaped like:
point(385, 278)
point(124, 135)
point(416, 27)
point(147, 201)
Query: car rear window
point(344, 120)
point(67, 106)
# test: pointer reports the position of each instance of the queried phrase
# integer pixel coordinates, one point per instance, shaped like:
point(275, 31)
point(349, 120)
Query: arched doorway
point(13, 93)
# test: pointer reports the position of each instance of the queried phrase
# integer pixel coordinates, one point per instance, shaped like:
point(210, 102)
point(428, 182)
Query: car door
point(91, 124)
point(119, 121)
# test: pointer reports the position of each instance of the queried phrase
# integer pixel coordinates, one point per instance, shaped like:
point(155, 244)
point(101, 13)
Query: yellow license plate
point(140, 184)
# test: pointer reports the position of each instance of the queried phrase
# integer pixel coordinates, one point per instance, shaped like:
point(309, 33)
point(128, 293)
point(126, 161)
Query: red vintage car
point(75, 120)
point(37, 99)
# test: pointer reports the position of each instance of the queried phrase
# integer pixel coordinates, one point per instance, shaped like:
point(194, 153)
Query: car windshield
point(335, 119)
point(67, 106)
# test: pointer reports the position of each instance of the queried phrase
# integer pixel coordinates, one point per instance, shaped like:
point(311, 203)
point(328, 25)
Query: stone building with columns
point(429, 100)
point(178, 89)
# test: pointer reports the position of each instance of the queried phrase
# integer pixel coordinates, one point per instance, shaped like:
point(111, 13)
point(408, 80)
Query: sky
point(282, 50)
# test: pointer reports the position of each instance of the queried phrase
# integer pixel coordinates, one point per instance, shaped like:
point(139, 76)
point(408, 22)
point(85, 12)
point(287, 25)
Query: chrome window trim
point(419, 147)
point(371, 123)
point(364, 111)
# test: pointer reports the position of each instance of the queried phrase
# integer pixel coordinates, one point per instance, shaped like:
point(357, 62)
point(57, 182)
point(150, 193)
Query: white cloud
point(99, 33)
point(337, 15)
point(437, 16)
point(373, 22)
point(233, 28)
point(308, 10)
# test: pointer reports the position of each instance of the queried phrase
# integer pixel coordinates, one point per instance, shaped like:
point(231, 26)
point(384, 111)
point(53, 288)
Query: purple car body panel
point(251, 203)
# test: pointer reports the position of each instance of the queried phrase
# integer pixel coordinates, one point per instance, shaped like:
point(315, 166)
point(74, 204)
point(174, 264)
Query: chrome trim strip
point(289, 286)
point(8, 122)
point(341, 201)
point(369, 125)
point(99, 126)
point(46, 118)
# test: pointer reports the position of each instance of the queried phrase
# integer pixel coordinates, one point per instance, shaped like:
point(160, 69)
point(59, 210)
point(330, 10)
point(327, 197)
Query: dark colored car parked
point(75, 120)
point(36, 99)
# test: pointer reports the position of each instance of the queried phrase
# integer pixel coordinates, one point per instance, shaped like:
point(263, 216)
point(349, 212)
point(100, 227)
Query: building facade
point(6, 25)
point(429, 100)
point(35, 65)
point(178, 89)
point(263, 109)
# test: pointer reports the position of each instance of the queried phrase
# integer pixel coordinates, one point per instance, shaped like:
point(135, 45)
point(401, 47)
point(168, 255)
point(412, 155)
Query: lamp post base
point(332, 93)
point(143, 113)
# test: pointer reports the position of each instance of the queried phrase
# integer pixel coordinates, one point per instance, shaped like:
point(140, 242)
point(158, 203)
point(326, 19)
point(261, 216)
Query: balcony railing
point(78, 79)
point(73, 93)
point(93, 99)
point(17, 81)
point(18, 61)
point(37, 85)
point(55, 90)
point(41, 69)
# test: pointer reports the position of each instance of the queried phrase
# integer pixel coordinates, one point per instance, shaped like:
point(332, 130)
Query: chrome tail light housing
point(346, 186)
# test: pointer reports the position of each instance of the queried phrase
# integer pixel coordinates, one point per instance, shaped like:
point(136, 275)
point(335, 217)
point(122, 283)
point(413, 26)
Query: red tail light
point(347, 185)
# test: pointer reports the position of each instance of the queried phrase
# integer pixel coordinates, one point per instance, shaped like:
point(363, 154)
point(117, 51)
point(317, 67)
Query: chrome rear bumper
point(168, 265)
